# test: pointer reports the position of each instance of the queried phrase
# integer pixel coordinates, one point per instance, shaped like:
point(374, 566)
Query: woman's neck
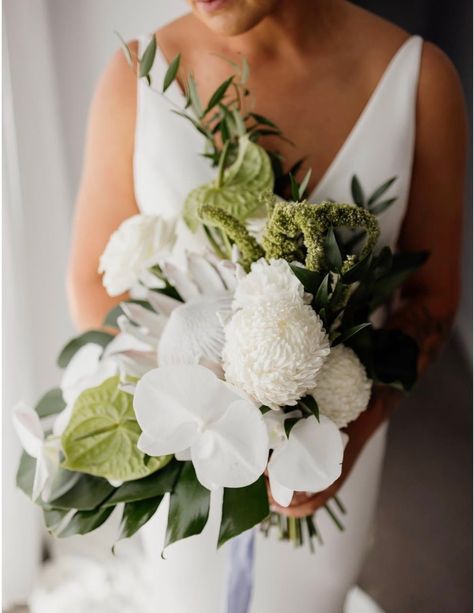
point(295, 27)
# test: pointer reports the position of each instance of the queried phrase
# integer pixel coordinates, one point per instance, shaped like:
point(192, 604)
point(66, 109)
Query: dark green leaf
point(263, 120)
point(309, 406)
point(93, 336)
point(380, 191)
point(295, 190)
point(136, 514)
point(310, 279)
point(155, 485)
point(85, 521)
point(51, 403)
point(189, 507)
point(148, 58)
point(352, 331)
point(242, 509)
point(357, 192)
point(171, 72)
point(357, 271)
point(218, 94)
point(376, 209)
point(264, 409)
point(289, 423)
point(332, 251)
point(88, 493)
point(321, 299)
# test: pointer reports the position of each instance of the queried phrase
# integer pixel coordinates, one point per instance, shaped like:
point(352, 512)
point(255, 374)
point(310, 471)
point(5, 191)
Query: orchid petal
point(205, 275)
point(162, 304)
point(183, 456)
point(124, 342)
point(83, 364)
point(233, 451)
point(172, 403)
point(311, 459)
point(281, 494)
point(194, 331)
point(62, 419)
point(29, 430)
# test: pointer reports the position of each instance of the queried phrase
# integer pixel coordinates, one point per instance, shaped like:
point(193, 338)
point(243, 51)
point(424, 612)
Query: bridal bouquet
point(237, 362)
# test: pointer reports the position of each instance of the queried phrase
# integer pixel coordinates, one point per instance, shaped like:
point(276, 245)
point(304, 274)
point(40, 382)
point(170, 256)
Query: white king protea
point(342, 389)
point(139, 243)
point(276, 345)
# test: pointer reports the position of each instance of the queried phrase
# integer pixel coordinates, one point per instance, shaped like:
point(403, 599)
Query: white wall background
point(56, 50)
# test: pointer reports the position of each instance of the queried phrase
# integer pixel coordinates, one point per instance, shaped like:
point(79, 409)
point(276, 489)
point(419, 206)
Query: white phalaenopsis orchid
point(186, 407)
point(309, 460)
point(45, 451)
point(176, 332)
point(141, 242)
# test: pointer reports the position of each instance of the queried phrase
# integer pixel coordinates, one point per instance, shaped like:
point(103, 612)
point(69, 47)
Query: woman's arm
point(434, 223)
point(106, 194)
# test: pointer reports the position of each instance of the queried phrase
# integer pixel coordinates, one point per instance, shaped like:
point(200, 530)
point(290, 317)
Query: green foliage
point(171, 72)
point(136, 514)
point(99, 337)
point(146, 61)
point(189, 506)
point(102, 434)
point(242, 509)
point(50, 403)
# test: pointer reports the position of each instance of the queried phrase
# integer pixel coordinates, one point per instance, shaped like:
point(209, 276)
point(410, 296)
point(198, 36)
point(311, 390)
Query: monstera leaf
point(242, 184)
point(101, 438)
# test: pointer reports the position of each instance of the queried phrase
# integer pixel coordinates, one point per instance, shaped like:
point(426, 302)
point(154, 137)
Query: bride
point(356, 95)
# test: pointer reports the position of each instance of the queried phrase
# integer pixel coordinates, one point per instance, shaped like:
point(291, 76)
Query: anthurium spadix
point(186, 407)
point(309, 460)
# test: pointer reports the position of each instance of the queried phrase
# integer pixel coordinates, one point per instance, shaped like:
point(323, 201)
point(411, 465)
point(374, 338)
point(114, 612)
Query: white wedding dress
point(167, 165)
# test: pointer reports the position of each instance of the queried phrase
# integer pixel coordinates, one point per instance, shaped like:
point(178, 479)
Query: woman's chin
point(231, 17)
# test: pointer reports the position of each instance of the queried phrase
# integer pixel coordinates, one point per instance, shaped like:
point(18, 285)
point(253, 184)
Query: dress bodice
point(167, 164)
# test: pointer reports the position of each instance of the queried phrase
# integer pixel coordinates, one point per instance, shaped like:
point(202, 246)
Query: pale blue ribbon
point(240, 577)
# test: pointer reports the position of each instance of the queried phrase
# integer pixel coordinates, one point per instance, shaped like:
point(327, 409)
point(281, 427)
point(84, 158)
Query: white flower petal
point(28, 428)
point(281, 494)
point(311, 459)
point(183, 284)
point(127, 327)
point(83, 364)
point(194, 331)
point(145, 318)
point(136, 363)
point(205, 275)
point(183, 456)
point(162, 304)
point(124, 342)
point(172, 402)
point(233, 451)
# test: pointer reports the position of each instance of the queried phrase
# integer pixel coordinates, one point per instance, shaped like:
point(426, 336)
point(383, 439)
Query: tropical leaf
point(87, 494)
point(136, 514)
point(242, 509)
point(84, 522)
point(189, 507)
point(102, 434)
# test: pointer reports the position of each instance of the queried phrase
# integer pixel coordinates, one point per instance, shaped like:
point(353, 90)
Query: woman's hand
point(359, 431)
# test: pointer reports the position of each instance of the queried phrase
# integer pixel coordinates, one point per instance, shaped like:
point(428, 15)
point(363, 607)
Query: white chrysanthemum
point(342, 388)
point(274, 351)
point(140, 242)
point(268, 282)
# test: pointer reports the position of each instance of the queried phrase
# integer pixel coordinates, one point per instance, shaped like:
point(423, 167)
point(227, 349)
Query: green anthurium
point(238, 190)
point(101, 438)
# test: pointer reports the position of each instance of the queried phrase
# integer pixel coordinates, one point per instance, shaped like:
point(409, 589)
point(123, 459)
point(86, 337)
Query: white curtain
point(36, 216)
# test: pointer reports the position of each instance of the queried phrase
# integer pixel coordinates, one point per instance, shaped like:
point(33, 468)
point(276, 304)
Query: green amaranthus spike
point(290, 220)
point(249, 248)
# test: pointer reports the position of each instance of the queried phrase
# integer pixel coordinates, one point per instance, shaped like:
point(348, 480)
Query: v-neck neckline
point(357, 126)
